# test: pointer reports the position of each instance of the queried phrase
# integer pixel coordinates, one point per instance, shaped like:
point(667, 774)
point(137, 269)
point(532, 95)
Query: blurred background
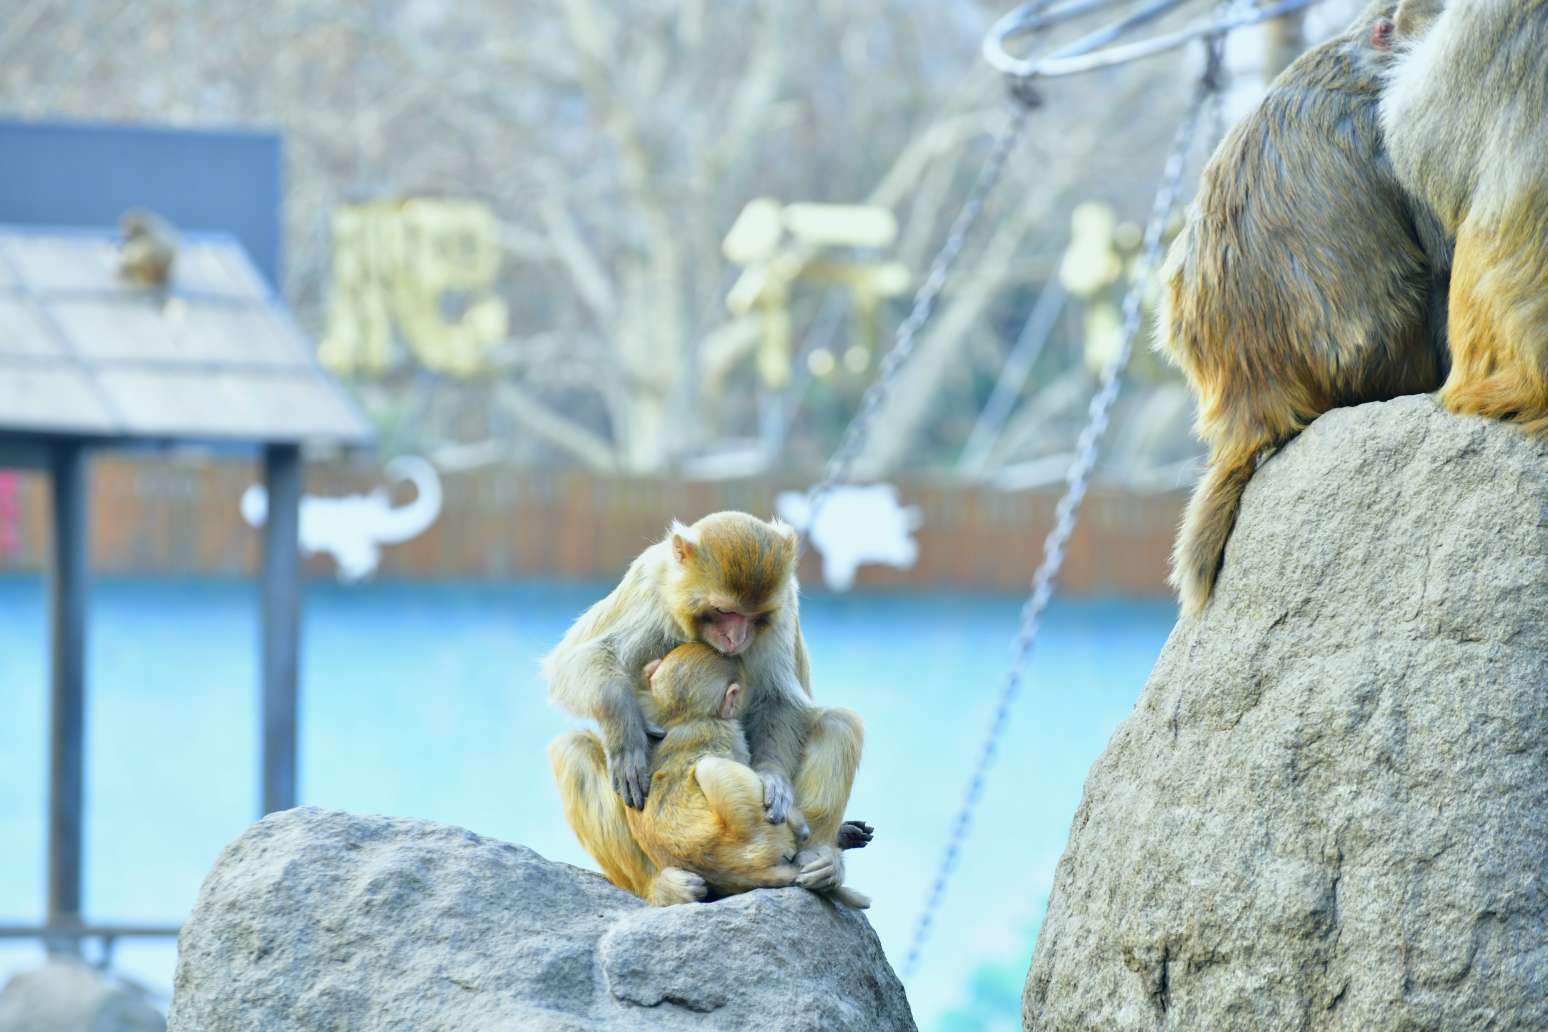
point(578, 268)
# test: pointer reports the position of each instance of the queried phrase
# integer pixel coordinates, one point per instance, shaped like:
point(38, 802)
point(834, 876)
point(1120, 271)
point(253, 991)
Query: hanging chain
point(1077, 480)
point(843, 459)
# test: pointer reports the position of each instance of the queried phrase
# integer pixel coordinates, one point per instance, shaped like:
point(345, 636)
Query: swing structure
point(1095, 50)
point(1092, 51)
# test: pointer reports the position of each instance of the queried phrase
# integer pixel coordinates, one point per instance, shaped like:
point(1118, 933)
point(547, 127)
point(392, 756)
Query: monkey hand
point(822, 868)
point(675, 885)
point(855, 835)
point(629, 765)
point(799, 827)
point(778, 795)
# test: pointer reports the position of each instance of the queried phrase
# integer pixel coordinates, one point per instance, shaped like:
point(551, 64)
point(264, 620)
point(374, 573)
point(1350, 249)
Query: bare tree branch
point(590, 448)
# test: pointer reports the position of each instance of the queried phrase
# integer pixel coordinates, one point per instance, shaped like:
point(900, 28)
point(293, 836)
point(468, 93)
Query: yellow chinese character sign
point(776, 245)
point(414, 277)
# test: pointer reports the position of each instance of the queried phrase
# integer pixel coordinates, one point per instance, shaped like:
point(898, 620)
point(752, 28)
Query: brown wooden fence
point(168, 514)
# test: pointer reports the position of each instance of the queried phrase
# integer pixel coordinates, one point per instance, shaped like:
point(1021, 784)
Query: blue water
point(423, 700)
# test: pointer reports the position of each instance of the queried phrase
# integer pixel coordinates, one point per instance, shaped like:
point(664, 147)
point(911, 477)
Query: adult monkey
point(1304, 278)
point(729, 582)
point(1466, 120)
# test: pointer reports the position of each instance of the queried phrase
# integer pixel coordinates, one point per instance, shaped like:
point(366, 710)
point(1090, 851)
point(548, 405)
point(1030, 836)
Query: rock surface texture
point(68, 996)
point(1329, 808)
point(314, 919)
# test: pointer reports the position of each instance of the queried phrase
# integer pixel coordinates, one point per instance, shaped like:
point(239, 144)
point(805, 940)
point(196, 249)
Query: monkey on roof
point(148, 249)
point(728, 582)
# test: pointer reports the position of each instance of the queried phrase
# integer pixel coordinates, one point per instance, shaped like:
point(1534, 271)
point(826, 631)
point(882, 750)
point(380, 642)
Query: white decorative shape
point(855, 525)
point(352, 528)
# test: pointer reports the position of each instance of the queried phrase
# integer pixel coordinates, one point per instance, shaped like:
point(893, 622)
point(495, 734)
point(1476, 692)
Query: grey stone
point(69, 996)
point(1329, 808)
point(314, 919)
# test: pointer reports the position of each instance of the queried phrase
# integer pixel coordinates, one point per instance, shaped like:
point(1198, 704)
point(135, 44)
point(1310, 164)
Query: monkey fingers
point(822, 868)
point(675, 885)
point(855, 835)
point(630, 770)
point(778, 795)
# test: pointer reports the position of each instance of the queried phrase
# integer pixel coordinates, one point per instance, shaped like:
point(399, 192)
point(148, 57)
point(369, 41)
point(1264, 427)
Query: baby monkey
point(703, 824)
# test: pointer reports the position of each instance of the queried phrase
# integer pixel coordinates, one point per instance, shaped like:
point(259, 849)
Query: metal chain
point(1077, 480)
point(843, 459)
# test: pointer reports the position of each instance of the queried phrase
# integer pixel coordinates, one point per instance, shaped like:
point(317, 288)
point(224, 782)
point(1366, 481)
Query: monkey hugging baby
point(714, 772)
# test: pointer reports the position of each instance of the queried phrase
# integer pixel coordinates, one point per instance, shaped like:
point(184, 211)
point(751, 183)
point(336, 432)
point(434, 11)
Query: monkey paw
point(778, 795)
point(821, 869)
point(855, 835)
point(630, 768)
point(675, 885)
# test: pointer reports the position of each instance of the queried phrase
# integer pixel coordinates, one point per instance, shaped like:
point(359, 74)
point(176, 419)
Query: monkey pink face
point(730, 631)
point(1381, 33)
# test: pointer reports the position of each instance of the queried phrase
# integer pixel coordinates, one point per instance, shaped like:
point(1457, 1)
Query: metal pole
point(1286, 41)
point(67, 623)
point(281, 595)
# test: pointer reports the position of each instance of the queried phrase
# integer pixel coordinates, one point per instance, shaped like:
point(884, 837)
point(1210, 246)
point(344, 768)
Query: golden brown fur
point(1466, 114)
point(1413, 18)
point(674, 593)
point(705, 811)
point(729, 562)
point(148, 249)
point(1304, 279)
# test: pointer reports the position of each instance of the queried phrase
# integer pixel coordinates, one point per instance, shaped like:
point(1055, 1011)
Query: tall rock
point(65, 995)
point(314, 919)
point(1329, 808)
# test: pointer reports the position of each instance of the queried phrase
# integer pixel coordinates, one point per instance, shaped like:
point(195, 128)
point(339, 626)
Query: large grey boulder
point(68, 996)
point(314, 919)
point(1329, 809)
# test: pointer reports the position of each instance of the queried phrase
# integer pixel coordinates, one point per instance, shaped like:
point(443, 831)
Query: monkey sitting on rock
point(1304, 278)
point(703, 825)
point(727, 582)
point(1466, 121)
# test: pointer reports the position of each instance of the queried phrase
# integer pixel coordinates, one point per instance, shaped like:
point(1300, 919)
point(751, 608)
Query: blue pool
point(423, 700)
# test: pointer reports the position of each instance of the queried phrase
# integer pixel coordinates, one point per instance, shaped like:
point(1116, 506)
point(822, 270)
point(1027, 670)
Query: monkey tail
point(849, 897)
point(1207, 526)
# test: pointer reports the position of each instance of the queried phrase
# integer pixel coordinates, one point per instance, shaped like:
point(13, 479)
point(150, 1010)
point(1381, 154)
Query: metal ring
point(1092, 51)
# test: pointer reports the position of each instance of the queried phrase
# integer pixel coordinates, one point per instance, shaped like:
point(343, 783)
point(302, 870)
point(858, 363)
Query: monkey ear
point(786, 531)
point(650, 670)
point(684, 542)
point(682, 548)
point(728, 704)
point(1381, 33)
